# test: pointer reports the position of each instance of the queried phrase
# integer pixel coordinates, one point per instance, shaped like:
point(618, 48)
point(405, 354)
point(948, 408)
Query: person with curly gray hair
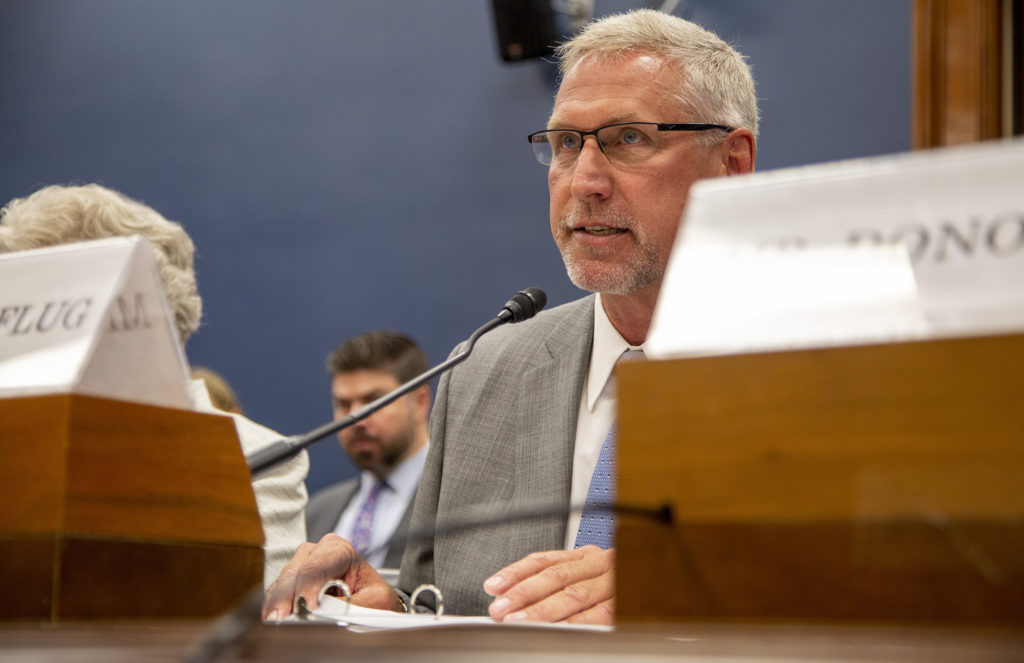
point(64, 214)
point(59, 214)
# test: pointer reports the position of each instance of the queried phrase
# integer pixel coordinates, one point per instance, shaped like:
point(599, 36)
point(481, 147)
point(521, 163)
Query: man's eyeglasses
point(625, 142)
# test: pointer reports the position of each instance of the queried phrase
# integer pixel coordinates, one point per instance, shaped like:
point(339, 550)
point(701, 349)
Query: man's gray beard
point(623, 280)
point(620, 279)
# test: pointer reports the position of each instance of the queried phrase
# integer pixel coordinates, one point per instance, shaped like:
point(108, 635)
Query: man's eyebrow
point(619, 119)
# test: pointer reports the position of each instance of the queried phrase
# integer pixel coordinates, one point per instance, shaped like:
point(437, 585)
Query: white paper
point(362, 620)
point(728, 299)
point(959, 212)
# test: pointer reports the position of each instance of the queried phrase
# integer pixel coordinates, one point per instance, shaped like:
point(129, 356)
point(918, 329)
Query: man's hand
point(560, 585)
point(332, 558)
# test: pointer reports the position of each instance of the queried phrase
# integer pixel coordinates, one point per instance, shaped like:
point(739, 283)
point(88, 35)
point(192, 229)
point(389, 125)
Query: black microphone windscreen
point(524, 305)
point(539, 298)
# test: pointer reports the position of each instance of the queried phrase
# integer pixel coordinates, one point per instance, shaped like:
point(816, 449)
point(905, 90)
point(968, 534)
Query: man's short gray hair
point(716, 85)
point(64, 214)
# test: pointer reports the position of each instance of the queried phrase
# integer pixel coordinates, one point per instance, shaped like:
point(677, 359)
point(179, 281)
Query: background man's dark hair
point(380, 349)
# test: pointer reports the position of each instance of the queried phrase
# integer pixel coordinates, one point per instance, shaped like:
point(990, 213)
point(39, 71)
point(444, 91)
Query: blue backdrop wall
point(345, 165)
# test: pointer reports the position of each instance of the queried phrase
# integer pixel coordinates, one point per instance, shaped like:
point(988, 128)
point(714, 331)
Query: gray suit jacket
point(326, 506)
point(503, 428)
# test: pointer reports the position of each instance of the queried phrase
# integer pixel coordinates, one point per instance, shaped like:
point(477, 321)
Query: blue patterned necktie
point(597, 523)
point(363, 528)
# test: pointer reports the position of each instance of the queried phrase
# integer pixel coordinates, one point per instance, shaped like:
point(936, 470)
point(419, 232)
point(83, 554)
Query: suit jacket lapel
point(323, 517)
point(343, 503)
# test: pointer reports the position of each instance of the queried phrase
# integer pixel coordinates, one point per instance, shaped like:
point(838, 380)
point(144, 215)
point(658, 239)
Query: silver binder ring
point(331, 584)
point(437, 594)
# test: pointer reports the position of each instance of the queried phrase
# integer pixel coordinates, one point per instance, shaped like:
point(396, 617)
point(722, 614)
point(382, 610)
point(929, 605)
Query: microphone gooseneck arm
point(523, 305)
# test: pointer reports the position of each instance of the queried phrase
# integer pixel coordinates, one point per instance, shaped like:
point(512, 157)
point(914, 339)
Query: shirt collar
point(608, 347)
point(404, 477)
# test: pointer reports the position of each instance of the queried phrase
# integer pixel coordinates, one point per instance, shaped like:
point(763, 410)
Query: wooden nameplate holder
point(115, 510)
point(878, 483)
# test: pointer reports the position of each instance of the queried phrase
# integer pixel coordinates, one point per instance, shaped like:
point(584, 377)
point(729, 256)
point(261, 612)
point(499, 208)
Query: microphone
point(522, 306)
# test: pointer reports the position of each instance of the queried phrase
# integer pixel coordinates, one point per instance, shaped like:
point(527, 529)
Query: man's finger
point(277, 603)
point(567, 601)
point(572, 583)
point(529, 566)
point(311, 567)
point(602, 613)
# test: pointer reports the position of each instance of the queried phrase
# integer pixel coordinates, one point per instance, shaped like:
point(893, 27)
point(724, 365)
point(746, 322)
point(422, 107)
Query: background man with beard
point(648, 104)
point(389, 446)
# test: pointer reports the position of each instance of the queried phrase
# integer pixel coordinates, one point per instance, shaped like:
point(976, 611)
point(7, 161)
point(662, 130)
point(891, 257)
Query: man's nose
point(591, 172)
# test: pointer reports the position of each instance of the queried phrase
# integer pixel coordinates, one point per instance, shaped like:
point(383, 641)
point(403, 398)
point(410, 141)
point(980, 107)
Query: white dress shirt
point(391, 504)
point(597, 411)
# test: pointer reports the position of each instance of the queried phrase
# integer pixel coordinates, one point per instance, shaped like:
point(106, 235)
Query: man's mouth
point(600, 230)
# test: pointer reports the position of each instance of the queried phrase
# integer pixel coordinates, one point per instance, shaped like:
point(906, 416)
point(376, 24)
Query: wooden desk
point(865, 484)
point(169, 641)
point(104, 498)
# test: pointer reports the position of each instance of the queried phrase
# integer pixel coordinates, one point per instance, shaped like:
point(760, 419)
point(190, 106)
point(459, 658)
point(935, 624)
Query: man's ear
point(421, 397)
point(739, 152)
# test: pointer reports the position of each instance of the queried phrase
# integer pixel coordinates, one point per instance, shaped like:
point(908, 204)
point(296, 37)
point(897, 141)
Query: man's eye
point(632, 137)
point(568, 141)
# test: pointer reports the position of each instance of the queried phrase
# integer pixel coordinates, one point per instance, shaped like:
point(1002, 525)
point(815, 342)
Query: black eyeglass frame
point(661, 126)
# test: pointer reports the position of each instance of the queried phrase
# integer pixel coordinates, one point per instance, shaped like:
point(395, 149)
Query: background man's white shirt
point(391, 504)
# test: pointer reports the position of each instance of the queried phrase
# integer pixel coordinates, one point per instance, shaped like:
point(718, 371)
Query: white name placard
point(957, 213)
point(89, 318)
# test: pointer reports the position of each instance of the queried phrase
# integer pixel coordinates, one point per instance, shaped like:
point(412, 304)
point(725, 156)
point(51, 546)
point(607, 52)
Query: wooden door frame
point(967, 71)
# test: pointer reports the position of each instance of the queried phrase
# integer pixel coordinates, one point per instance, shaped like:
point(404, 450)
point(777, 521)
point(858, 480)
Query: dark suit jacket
point(502, 433)
point(326, 506)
